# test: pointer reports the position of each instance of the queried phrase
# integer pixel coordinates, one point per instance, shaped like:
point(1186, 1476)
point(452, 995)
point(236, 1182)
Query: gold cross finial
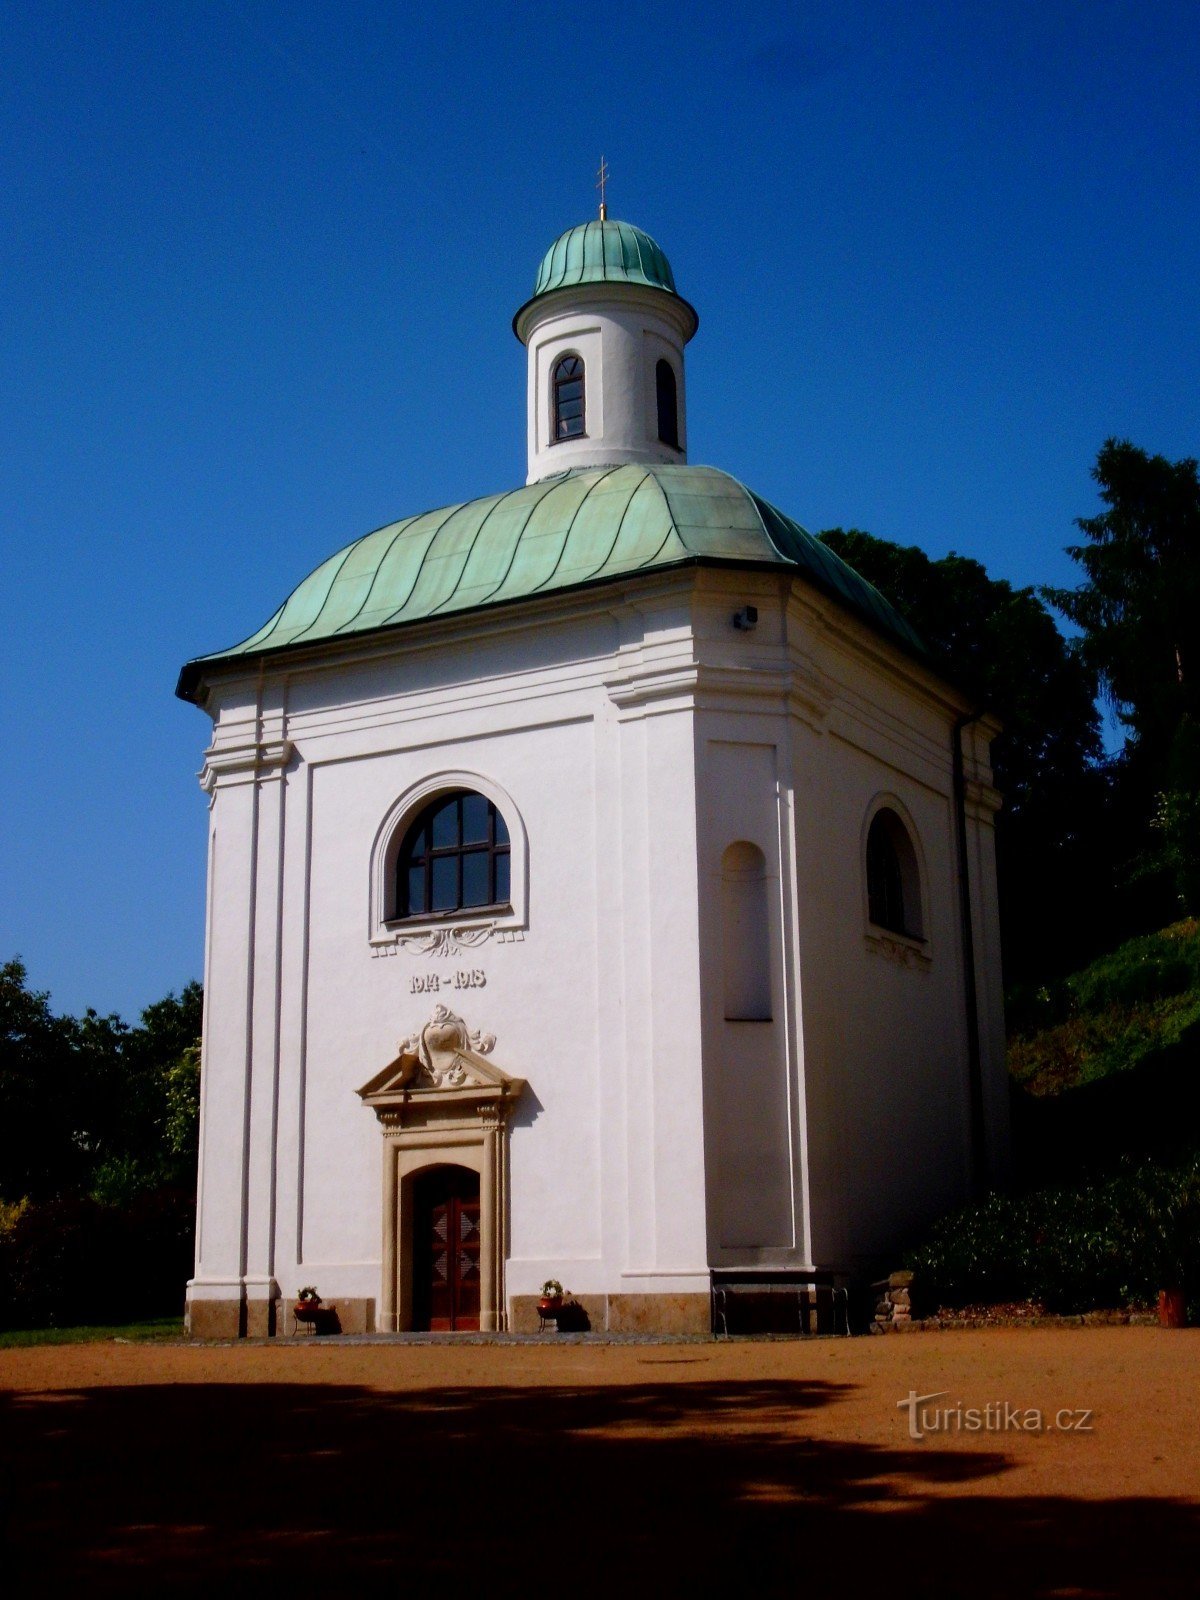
point(601, 181)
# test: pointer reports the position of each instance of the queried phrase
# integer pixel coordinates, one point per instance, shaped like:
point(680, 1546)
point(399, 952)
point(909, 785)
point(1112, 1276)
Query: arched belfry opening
point(667, 396)
point(605, 331)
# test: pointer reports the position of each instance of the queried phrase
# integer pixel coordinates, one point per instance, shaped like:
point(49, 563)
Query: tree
point(1000, 645)
point(37, 1152)
point(1137, 612)
point(1138, 606)
point(90, 1105)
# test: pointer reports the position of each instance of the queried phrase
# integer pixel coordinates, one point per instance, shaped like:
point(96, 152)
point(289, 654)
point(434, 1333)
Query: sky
point(257, 269)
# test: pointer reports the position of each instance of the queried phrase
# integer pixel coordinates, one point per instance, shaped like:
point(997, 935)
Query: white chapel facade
point(601, 887)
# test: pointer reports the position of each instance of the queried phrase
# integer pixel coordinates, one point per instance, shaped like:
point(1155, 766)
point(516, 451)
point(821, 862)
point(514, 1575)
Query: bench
point(792, 1302)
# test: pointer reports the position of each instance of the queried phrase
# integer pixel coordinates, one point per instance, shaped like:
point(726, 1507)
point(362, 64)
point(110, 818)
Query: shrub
point(1112, 1242)
point(76, 1260)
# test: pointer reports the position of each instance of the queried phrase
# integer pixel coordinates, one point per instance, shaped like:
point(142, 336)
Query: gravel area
point(583, 1464)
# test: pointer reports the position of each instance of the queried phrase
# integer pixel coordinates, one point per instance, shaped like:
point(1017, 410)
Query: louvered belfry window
point(568, 398)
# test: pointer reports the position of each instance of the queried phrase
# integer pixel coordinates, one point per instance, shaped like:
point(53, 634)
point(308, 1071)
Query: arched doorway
point(443, 1108)
point(447, 1246)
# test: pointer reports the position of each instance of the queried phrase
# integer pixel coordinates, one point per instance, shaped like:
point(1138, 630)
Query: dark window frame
point(419, 852)
point(559, 380)
point(669, 434)
point(889, 898)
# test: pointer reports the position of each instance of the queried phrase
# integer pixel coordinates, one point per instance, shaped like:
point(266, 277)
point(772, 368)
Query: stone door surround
point(442, 1103)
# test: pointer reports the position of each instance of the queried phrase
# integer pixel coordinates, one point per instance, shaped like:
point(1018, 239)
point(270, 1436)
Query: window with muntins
point(455, 857)
point(668, 404)
point(893, 877)
point(568, 398)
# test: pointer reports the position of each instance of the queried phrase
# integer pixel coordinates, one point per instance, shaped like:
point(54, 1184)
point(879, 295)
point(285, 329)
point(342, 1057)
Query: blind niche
point(745, 934)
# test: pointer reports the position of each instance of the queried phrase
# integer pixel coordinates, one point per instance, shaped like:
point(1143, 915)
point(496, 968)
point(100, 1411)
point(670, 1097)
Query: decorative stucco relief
point(904, 952)
point(445, 941)
point(432, 1058)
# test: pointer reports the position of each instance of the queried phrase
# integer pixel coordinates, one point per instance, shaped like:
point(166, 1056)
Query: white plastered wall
point(804, 725)
point(594, 1001)
point(621, 332)
point(636, 734)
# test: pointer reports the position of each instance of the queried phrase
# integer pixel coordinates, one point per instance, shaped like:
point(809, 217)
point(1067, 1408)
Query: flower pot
point(550, 1305)
point(306, 1310)
point(1172, 1308)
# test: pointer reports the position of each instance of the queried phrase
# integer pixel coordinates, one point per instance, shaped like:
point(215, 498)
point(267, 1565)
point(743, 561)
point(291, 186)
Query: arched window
point(893, 877)
point(568, 398)
point(454, 857)
point(668, 404)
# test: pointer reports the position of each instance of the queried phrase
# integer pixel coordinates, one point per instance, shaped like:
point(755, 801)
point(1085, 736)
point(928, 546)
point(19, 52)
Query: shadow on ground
point(663, 1488)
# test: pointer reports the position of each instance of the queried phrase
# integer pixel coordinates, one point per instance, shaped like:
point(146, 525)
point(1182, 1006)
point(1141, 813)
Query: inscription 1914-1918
point(435, 982)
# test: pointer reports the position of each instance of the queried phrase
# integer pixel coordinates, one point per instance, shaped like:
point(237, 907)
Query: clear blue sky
point(259, 262)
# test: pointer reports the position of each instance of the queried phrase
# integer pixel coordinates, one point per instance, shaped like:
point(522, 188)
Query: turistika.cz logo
point(998, 1416)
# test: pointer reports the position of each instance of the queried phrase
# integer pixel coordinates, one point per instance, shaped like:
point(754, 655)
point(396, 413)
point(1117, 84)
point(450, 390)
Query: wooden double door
point(446, 1249)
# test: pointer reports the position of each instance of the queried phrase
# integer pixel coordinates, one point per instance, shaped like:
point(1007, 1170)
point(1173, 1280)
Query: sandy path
point(141, 1467)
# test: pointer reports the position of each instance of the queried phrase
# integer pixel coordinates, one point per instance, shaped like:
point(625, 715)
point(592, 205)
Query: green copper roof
point(604, 252)
point(589, 526)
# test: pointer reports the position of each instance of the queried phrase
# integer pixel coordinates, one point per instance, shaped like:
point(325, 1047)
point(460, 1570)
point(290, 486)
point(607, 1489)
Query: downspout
point(971, 994)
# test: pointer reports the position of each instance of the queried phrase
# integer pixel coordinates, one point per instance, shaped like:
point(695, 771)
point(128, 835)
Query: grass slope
point(1141, 1000)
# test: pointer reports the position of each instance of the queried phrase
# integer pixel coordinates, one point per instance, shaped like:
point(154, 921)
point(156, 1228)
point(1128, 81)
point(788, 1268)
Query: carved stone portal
point(441, 1102)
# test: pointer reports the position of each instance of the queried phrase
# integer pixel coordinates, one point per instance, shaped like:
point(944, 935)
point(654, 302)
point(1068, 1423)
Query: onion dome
point(604, 252)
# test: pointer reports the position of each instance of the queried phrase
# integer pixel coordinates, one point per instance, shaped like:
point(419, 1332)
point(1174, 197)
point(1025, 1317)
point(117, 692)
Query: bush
point(1108, 1243)
point(76, 1260)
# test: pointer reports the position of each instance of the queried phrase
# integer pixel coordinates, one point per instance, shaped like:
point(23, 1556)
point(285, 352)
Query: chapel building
point(601, 887)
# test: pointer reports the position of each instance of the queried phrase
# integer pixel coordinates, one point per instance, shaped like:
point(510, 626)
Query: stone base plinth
point(352, 1316)
point(215, 1319)
point(265, 1319)
point(624, 1313)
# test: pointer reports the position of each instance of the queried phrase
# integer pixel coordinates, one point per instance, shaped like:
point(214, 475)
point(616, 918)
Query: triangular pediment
point(442, 1058)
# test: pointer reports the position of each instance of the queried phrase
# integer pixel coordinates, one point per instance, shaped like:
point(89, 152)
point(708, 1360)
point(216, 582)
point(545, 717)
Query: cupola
point(605, 330)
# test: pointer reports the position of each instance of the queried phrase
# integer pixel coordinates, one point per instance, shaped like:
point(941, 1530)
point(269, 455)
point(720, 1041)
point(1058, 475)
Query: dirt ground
point(580, 1469)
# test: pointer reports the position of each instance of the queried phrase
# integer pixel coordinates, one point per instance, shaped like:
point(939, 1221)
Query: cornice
point(795, 689)
point(228, 765)
point(983, 801)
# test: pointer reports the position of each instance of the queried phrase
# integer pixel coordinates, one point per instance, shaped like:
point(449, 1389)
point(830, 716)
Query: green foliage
point(182, 1126)
point(1138, 604)
point(73, 1259)
point(1173, 848)
point(1127, 1006)
point(1001, 646)
point(98, 1130)
point(37, 1133)
point(1107, 1243)
point(90, 1105)
point(1137, 612)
